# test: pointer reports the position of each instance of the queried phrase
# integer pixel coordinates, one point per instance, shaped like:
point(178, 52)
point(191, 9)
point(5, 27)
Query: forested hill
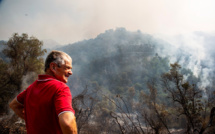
point(114, 42)
point(116, 60)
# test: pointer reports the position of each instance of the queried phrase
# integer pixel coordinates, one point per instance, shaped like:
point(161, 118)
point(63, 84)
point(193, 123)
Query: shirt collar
point(46, 77)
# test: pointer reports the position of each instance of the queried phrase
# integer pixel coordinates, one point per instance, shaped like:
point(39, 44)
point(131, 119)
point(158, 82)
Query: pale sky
point(68, 21)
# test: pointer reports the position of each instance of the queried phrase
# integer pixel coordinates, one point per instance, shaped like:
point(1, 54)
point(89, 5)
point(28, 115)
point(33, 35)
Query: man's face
point(63, 72)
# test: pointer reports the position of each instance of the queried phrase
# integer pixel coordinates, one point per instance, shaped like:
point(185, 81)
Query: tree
point(23, 61)
point(155, 114)
point(25, 55)
point(4, 85)
point(187, 97)
point(83, 104)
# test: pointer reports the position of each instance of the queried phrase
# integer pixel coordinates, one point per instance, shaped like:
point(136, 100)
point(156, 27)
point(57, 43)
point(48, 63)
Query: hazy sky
point(68, 21)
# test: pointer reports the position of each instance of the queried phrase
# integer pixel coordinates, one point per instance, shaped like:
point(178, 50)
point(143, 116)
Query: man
point(46, 104)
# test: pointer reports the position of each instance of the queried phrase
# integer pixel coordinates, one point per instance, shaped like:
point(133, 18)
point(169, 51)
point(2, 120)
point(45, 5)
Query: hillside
point(116, 60)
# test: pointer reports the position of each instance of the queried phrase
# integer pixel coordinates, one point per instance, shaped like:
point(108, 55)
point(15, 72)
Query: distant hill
point(113, 42)
point(117, 59)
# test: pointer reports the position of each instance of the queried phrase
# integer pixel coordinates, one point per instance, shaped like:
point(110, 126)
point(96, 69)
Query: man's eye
point(68, 68)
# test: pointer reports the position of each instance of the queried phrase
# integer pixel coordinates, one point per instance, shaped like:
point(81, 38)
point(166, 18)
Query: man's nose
point(70, 72)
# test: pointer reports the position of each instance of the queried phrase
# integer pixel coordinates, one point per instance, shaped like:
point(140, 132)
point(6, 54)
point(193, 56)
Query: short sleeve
point(63, 101)
point(21, 97)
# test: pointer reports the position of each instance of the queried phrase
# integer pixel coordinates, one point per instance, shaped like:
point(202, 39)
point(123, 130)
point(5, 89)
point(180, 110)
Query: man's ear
point(52, 67)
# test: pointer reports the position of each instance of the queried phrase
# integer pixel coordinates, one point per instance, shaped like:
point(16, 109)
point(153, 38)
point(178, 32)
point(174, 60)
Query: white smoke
point(194, 52)
point(78, 20)
point(28, 79)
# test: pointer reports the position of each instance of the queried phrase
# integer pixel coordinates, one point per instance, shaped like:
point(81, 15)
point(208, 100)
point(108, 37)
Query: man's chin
point(65, 80)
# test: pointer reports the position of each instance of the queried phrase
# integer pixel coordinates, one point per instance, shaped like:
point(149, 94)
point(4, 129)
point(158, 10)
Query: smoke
point(28, 79)
point(194, 51)
point(118, 51)
point(69, 21)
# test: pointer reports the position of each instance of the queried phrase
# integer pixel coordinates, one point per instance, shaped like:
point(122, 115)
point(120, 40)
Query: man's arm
point(68, 123)
point(17, 108)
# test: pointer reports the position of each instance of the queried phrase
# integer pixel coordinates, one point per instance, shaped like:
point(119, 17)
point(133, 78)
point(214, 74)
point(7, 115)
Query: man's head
point(59, 64)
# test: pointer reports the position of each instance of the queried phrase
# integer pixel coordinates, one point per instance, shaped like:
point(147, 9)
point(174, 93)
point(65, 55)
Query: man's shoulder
point(59, 83)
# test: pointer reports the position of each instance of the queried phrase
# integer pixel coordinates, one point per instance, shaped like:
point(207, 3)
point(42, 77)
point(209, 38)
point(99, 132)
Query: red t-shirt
point(44, 101)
